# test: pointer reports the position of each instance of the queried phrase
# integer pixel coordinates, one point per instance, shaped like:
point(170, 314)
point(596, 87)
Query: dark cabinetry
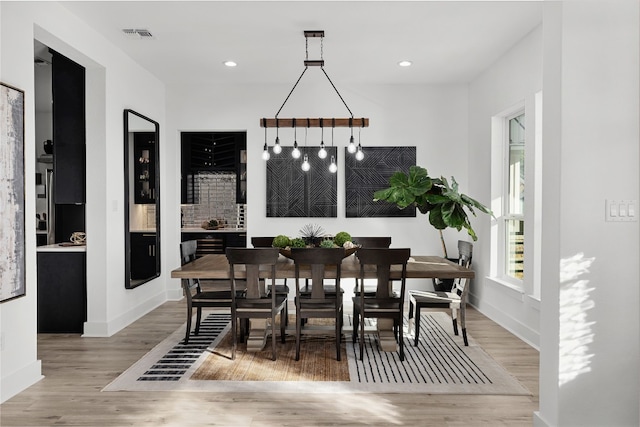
point(69, 152)
point(210, 151)
point(216, 243)
point(144, 167)
point(204, 152)
point(143, 255)
point(62, 300)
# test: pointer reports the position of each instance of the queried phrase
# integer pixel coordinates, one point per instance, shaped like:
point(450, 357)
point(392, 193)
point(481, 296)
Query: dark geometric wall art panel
point(365, 177)
point(291, 192)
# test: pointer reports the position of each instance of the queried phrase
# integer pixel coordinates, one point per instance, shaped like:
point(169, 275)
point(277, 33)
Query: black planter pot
point(48, 146)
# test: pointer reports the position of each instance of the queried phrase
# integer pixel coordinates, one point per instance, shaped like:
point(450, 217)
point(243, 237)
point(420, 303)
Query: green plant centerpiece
point(281, 241)
point(443, 203)
point(313, 235)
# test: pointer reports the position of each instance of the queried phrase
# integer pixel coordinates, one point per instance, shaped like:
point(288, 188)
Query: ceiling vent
point(137, 33)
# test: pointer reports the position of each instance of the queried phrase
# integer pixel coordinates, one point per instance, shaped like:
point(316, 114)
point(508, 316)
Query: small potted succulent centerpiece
point(312, 235)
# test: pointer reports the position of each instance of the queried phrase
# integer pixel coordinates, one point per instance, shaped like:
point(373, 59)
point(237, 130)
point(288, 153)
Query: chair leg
point(416, 322)
point(234, 335)
point(401, 339)
point(283, 325)
point(188, 332)
point(273, 336)
point(198, 319)
point(362, 335)
point(411, 308)
point(454, 317)
point(298, 333)
point(356, 319)
point(338, 333)
point(463, 324)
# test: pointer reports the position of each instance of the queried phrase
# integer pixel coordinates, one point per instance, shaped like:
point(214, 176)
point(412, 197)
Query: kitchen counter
point(219, 230)
point(57, 248)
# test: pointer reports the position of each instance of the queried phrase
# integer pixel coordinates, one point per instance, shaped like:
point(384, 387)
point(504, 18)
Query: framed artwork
point(365, 177)
point(291, 192)
point(12, 218)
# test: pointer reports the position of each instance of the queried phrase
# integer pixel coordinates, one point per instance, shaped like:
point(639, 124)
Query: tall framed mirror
point(141, 199)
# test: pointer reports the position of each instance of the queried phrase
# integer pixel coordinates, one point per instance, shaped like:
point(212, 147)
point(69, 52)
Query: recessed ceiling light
point(230, 63)
point(404, 63)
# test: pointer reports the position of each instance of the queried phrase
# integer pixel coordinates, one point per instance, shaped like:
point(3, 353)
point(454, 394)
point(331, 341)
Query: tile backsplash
point(215, 197)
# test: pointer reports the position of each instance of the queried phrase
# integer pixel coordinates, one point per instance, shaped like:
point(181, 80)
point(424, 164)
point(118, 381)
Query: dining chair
point(370, 242)
point(384, 303)
point(456, 299)
point(315, 298)
point(256, 302)
point(440, 284)
point(196, 297)
point(281, 288)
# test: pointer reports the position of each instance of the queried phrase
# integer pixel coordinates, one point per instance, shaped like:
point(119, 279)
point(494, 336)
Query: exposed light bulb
point(322, 153)
point(296, 152)
point(265, 152)
point(352, 146)
point(333, 168)
point(359, 153)
point(277, 149)
point(305, 163)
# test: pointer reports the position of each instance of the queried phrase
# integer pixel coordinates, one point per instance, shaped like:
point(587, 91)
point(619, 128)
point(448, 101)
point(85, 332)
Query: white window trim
point(531, 285)
point(499, 190)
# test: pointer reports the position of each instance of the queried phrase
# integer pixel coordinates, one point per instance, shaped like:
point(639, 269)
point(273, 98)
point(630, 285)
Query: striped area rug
point(440, 364)
point(439, 359)
point(173, 365)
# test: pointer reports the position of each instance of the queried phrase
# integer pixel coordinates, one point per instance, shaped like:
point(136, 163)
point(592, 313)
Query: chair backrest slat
point(262, 242)
point(383, 259)
point(465, 251)
point(318, 259)
point(372, 242)
point(187, 254)
point(188, 251)
point(252, 259)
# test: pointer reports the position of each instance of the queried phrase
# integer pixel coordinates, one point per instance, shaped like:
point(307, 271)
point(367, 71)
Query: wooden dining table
point(216, 266)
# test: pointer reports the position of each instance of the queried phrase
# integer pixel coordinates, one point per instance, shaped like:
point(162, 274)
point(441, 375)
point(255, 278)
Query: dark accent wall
point(365, 177)
point(291, 192)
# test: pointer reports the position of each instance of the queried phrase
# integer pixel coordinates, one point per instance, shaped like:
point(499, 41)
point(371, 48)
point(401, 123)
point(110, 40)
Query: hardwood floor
point(76, 369)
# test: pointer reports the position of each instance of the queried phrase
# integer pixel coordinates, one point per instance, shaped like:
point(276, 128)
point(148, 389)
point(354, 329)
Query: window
point(516, 185)
point(513, 217)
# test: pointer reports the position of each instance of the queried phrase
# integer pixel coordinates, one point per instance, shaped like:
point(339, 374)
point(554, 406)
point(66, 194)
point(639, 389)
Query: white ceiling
point(448, 41)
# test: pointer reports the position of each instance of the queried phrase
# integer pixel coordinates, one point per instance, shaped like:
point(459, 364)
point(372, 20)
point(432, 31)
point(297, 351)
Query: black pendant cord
point(319, 63)
point(332, 85)
point(292, 89)
point(336, 89)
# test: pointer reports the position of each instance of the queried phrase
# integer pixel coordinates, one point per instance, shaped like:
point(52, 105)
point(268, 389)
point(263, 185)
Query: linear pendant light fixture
point(278, 122)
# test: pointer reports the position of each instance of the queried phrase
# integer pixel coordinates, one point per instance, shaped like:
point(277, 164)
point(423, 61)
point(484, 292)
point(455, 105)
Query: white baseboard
point(20, 380)
point(538, 421)
point(107, 329)
point(513, 325)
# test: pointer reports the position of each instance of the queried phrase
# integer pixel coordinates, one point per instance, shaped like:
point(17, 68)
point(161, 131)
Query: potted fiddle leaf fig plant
point(443, 203)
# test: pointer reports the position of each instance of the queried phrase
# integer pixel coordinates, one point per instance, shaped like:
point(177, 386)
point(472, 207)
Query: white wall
point(513, 79)
point(114, 82)
point(433, 118)
point(589, 314)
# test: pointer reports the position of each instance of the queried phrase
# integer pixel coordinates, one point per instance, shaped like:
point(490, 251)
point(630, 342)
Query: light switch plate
point(621, 210)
